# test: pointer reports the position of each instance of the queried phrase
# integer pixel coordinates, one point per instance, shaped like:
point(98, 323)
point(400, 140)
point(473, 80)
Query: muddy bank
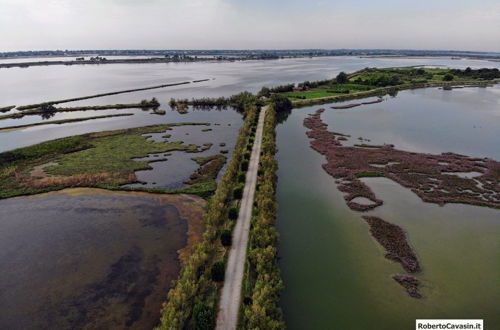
point(91, 258)
point(353, 105)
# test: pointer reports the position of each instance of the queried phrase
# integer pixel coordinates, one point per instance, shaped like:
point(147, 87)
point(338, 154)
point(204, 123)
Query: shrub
point(204, 317)
point(247, 156)
point(238, 192)
point(218, 269)
point(242, 177)
point(226, 238)
point(244, 165)
point(448, 77)
point(233, 212)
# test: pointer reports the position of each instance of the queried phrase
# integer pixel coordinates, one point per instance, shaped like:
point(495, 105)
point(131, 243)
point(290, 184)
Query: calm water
point(335, 273)
point(20, 86)
point(87, 257)
point(179, 165)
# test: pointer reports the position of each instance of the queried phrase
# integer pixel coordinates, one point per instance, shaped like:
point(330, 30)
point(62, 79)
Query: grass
point(114, 154)
point(102, 159)
point(328, 90)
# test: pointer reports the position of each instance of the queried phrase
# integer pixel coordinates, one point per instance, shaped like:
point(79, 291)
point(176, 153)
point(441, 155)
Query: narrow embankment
point(38, 105)
point(230, 299)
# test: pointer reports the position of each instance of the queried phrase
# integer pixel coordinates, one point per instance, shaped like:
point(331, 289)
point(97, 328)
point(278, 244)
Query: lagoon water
point(335, 274)
point(89, 258)
point(21, 86)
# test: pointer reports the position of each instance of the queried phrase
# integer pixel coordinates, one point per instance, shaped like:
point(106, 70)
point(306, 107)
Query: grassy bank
point(262, 283)
point(103, 160)
point(192, 302)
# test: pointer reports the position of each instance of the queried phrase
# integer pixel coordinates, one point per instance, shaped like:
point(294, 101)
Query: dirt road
point(229, 304)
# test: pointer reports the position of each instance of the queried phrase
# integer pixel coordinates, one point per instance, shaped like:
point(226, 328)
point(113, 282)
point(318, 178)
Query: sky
point(249, 24)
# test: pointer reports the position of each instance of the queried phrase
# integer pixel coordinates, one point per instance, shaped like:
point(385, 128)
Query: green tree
point(233, 212)
point(204, 317)
point(281, 103)
point(265, 91)
point(341, 78)
point(448, 77)
point(226, 238)
point(218, 269)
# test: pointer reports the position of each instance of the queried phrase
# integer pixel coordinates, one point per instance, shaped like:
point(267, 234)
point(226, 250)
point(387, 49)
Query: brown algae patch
point(393, 239)
point(410, 283)
point(426, 175)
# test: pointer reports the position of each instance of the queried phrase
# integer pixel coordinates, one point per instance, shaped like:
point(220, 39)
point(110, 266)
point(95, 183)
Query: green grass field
point(104, 159)
point(370, 79)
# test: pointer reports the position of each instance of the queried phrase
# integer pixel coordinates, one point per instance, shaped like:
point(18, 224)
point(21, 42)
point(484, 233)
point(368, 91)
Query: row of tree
point(192, 301)
point(260, 308)
point(237, 101)
point(484, 73)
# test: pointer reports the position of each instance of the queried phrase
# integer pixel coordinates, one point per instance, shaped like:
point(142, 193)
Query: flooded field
point(335, 272)
point(90, 257)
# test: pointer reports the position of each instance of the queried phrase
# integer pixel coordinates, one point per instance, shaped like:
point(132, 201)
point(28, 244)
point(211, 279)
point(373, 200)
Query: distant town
point(250, 54)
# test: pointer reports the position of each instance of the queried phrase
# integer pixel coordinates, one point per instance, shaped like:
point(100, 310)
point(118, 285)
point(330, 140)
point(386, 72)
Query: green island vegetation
point(192, 301)
point(103, 159)
point(262, 282)
point(48, 110)
point(63, 121)
point(377, 82)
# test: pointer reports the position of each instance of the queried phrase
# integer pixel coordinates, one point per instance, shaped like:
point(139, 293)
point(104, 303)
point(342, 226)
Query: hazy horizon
point(236, 24)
